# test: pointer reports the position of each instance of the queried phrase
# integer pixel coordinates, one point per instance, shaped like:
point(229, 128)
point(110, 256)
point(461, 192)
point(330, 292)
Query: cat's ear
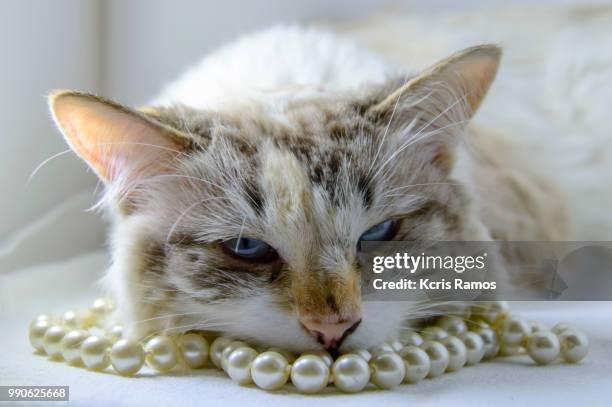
point(458, 82)
point(432, 107)
point(116, 142)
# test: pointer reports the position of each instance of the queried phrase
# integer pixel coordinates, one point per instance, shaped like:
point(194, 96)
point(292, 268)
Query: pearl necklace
point(447, 346)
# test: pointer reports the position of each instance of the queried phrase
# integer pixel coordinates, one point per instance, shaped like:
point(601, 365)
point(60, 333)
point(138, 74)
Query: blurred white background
point(125, 50)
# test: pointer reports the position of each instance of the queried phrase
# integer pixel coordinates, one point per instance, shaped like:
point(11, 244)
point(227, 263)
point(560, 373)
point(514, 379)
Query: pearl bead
point(216, 349)
point(290, 356)
point(452, 325)
point(537, 327)
point(350, 373)
point(161, 353)
point(329, 361)
point(574, 345)
point(433, 333)
point(127, 357)
point(71, 320)
point(387, 370)
point(396, 345)
point(543, 347)
point(229, 349)
point(194, 349)
point(87, 319)
point(410, 338)
point(474, 346)
point(492, 311)
point(100, 308)
point(41, 317)
point(562, 327)
point(52, 341)
point(457, 353)
point(309, 374)
point(362, 353)
point(115, 332)
point(490, 341)
point(513, 332)
point(238, 364)
point(94, 352)
point(438, 357)
point(416, 362)
point(37, 332)
point(270, 371)
point(508, 350)
point(71, 346)
point(384, 348)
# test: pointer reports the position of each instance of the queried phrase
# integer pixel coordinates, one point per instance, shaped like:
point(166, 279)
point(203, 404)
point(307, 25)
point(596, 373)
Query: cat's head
point(249, 221)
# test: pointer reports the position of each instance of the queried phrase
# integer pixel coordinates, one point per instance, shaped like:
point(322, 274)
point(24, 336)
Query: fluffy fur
point(303, 140)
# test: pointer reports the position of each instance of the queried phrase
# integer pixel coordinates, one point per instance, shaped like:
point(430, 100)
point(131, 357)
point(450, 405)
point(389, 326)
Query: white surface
point(505, 382)
point(44, 45)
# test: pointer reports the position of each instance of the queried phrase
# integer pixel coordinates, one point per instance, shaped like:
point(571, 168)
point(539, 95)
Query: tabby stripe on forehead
point(254, 195)
point(363, 185)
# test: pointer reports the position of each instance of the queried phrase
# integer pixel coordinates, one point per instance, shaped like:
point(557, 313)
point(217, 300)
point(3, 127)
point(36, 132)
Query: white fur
point(275, 64)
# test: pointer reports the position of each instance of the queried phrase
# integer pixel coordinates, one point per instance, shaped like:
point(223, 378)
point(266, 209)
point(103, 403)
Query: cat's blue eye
point(383, 231)
point(250, 249)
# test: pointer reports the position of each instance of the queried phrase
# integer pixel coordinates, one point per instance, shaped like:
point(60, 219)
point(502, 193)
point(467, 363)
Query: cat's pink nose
point(330, 335)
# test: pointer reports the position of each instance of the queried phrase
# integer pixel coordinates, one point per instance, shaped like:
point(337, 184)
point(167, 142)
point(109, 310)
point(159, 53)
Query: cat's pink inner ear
point(114, 140)
point(465, 75)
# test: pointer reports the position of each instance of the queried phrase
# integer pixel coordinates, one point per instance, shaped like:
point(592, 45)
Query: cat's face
point(249, 221)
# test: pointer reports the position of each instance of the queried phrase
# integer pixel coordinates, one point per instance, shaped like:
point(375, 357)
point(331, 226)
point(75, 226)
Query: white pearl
point(71, 320)
point(474, 346)
point(309, 374)
point(537, 326)
point(41, 317)
point(71, 346)
point(127, 357)
point(350, 373)
point(87, 319)
point(100, 308)
point(290, 356)
point(161, 353)
point(562, 327)
point(325, 356)
point(513, 332)
point(238, 364)
point(433, 333)
point(229, 349)
point(438, 357)
point(94, 352)
point(216, 349)
point(410, 338)
point(115, 332)
point(194, 349)
point(491, 311)
point(387, 370)
point(490, 341)
point(52, 341)
point(396, 345)
point(457, 353)
point(509, 350)
point(37, 333)
point(453, 325)
point(363, 353)
point(270, 371)
point(543, 347)
point(574, 345)
point(384, 348)
point(416, 362)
